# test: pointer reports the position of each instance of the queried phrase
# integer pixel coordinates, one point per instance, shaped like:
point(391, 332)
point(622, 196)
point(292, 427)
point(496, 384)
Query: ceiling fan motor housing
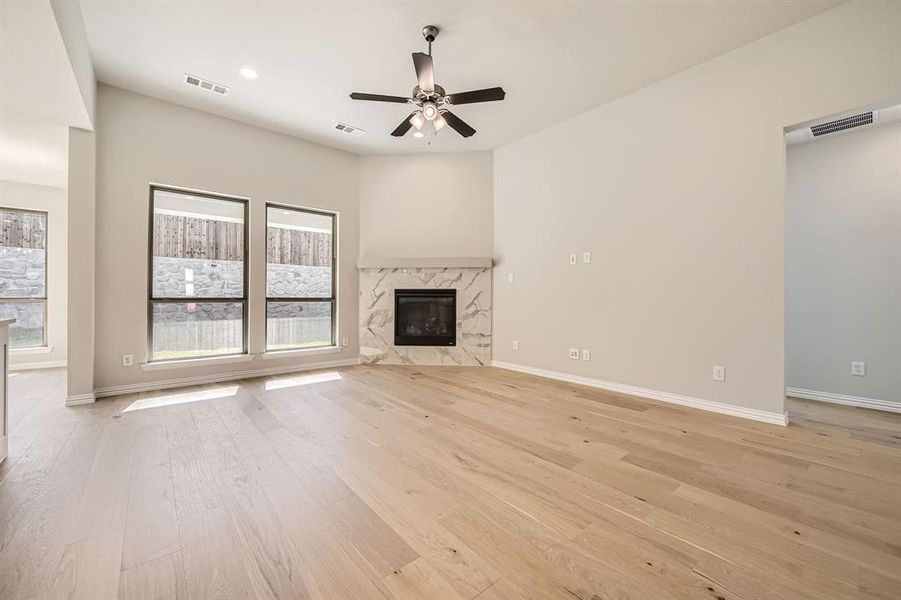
point(430, 32)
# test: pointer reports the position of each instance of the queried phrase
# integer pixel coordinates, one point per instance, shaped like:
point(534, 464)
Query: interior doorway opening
point(843, 273)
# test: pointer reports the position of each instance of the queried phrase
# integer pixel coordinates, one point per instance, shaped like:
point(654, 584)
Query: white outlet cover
point(572, 259)
point(574, 352)
point(510, 278)
point(128, 360)
point(344, 342)
point(586, 354)
point(719, 373)
point(858, 369)
point(586, 257)
point(516, 344)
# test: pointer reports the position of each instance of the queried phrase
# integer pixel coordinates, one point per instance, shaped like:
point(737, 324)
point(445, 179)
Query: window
point(300, 278)
point(198, 275)
point(23, 276)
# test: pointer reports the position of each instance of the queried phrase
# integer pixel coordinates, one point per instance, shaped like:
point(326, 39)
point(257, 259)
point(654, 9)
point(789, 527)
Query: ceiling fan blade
point(404, 127)
point(422, 62)
point(458, 124)
point(379, 98)
point(487, 95)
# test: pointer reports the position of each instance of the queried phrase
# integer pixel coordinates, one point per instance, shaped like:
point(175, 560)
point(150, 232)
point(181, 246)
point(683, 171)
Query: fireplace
point(425, 317)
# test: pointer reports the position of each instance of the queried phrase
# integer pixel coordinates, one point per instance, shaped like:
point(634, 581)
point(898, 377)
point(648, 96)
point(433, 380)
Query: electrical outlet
point(572, 259)
point(858, 369)
point(344, 342)
point(586, 257)
point(719, 373)
point(509, 277)
point(128, 360)
point(586, 354)
point(516, 344)
point(574, 352)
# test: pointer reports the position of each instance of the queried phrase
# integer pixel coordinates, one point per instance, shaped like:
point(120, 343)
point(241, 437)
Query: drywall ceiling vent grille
point(867, 118)
point(349, 129)
point(205, 84)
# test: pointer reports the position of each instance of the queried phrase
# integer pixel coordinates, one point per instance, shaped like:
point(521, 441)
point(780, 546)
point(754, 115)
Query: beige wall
point(51, 200)
point(71, 28)
point(677, 190)
point(843, 264)
point(82, 207)
point(142, 140)
point(426, 205)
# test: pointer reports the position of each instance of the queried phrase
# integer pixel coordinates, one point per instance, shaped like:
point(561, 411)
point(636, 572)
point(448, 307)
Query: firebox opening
point(425, 317)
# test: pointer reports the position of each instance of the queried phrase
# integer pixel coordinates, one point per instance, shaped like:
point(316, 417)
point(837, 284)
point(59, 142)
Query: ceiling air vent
point(204, 84)
point(867, 118)
point(349, 129)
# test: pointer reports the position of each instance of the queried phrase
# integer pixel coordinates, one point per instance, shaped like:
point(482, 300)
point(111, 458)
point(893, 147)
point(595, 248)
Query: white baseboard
point(708, 405)
point(80, 399)
point(48, 364)
point(165, 384)
point(858, 401)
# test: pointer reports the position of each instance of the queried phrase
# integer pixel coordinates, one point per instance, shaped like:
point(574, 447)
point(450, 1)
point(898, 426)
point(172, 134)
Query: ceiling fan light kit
point(430, 99)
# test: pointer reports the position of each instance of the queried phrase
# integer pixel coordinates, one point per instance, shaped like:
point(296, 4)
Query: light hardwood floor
point(375, 483)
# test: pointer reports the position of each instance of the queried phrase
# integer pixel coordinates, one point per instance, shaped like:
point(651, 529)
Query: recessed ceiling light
point(249, 73)
point(418, 134)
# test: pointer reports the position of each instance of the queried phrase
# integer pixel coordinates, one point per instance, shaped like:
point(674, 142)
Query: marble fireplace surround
point(470, 276)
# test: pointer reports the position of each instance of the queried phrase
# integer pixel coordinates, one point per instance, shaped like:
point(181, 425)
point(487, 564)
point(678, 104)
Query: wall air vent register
point(867, 118)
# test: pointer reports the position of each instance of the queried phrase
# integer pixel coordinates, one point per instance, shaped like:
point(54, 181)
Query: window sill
point(162, 365)
point(35, 350)
point(301, 352)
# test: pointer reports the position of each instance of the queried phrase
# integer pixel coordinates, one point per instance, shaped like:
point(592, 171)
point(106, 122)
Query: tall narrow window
point(198, 275)
point(300, 278)
point(23, 276)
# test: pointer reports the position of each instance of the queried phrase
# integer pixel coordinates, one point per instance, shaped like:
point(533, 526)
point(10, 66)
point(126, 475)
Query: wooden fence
point(294, 247)
point(188, 237)
point(23, 229)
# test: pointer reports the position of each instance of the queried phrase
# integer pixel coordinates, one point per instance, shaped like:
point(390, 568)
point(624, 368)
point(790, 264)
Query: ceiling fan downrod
point(430, 32)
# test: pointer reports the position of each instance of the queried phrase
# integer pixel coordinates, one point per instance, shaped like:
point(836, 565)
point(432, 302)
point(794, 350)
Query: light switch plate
point(574, 352)
point(586, 354)
point(516, 344)
point(586, 257)
point(509, 277)
point(572, 259)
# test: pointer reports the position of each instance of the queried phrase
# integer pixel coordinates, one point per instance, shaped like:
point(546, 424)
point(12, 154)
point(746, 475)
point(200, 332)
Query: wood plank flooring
point(417, 483)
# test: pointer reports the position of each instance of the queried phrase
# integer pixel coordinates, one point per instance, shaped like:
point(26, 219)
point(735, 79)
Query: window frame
point(243, 299)
point(333, 299)
point(33, 299)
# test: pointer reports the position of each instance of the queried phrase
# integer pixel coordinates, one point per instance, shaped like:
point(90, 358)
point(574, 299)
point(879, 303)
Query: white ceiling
point(554, 59)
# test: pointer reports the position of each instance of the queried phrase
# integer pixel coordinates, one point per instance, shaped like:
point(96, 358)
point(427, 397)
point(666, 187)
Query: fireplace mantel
point(436, 262)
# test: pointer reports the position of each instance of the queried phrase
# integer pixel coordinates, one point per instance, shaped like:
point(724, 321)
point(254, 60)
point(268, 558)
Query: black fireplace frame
point(419, 340)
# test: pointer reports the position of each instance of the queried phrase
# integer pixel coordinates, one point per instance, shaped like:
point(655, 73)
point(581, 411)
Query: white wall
point(141, 140)
point(677, 190)
point(426, 205)
point(52, 200)
point(843, 264)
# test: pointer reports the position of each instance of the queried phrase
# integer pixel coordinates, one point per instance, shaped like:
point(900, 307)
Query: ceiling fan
point(430, 100)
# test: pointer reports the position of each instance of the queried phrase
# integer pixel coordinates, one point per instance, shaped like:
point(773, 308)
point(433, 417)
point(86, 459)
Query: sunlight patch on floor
point(277, 384)
point(183, 398)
